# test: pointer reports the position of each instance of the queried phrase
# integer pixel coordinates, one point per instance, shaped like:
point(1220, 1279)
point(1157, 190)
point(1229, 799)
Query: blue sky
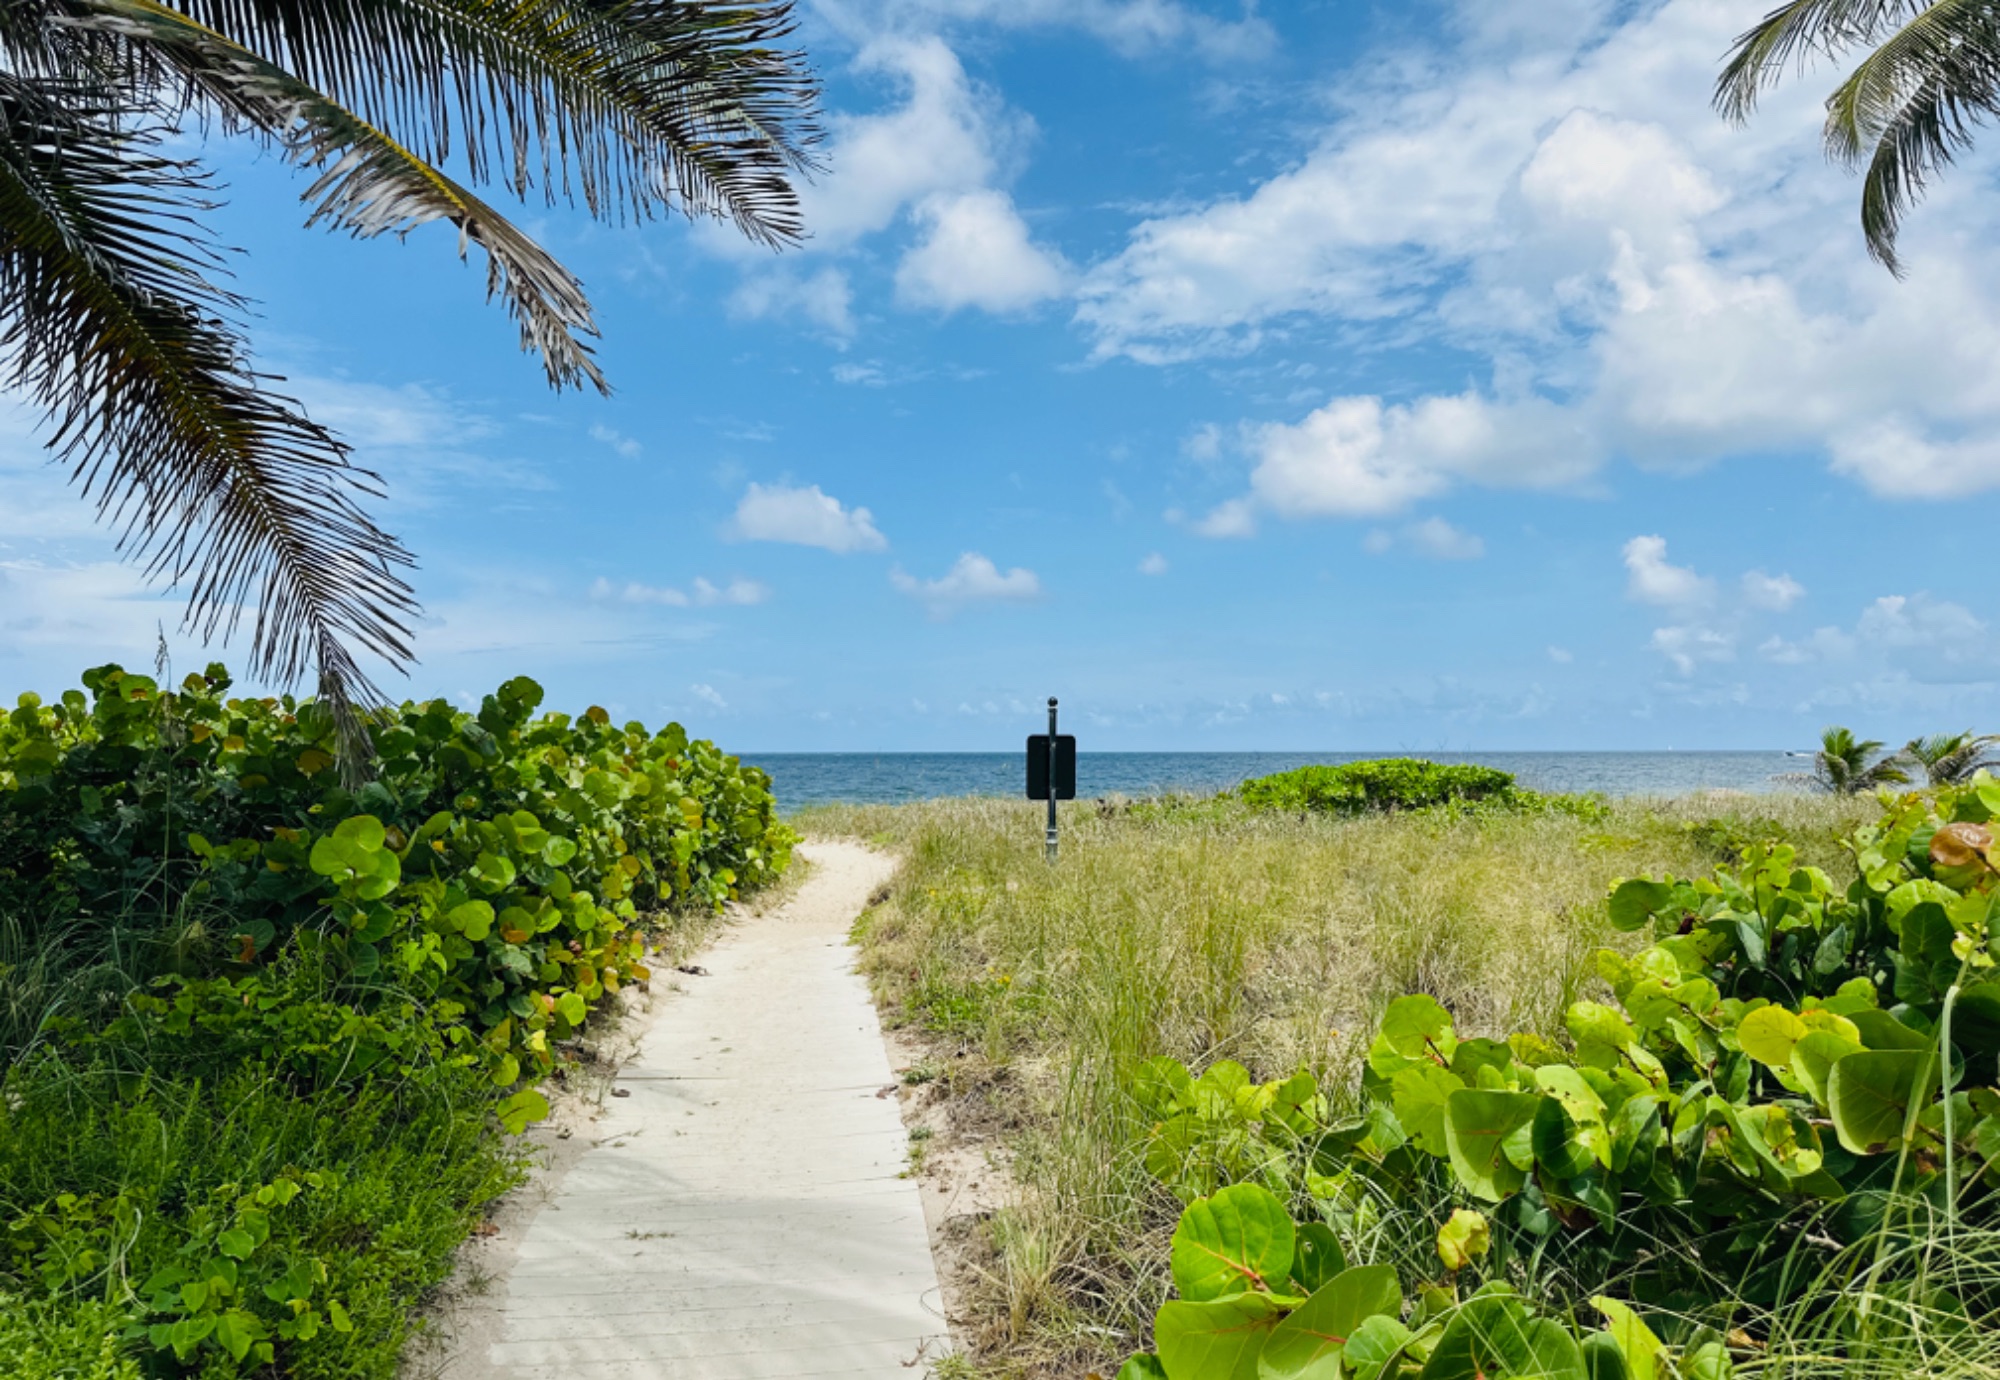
point(1316, 376)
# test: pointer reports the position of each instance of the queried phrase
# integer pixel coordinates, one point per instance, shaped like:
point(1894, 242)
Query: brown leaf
point(1961, 845)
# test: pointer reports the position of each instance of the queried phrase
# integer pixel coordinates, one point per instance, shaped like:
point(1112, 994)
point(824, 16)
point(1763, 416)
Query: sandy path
point(741, 1214)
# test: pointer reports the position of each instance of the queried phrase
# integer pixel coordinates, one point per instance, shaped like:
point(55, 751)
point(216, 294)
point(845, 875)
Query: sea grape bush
point(1264, 1298)
point(1783, 1072)
point(1224, 1128)
point(192, 899)
point(1396, 784)
point(482, 893)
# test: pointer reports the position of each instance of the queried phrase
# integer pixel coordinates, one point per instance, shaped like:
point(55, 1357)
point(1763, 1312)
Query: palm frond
point(1910, 107)
point(369, 184)
point(112, 322)
point(1793, 34)
point(633, 105)
point(1951, 759)
point(1847, 765)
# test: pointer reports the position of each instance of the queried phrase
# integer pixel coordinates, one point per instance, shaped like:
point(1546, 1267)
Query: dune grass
point(1212, 932)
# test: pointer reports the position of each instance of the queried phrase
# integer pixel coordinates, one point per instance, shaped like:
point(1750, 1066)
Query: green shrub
point(1391, 784)
point(1261, 1295)
point(256, 1022)
point(493, 872)
point(1793, 1075)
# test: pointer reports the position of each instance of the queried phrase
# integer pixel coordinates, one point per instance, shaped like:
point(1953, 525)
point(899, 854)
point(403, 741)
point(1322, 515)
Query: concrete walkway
point(742, 1216)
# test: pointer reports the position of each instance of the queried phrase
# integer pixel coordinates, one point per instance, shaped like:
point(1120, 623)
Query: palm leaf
point(1793, 34)
point(369, 184)
point(112, 323)
point(1950, 759)
point(634, 105)
point(1910, 107)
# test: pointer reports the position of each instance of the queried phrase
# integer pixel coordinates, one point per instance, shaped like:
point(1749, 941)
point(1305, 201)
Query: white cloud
point(972, 579)
point(1921, 638)
point(1433, 537)
point(701, 594)
point(1438, 539)
point(1897, 620)
point(1204, 444)
point(1688, 646)
point(1773, 592)
point(823, 298)
point(804, 517)
point(618, 441)
point(948, 135)
point(708, 695)
point(1654, 284)
point(1561, 656)
point(934, 161)
point(1652, 580)
point(1235, 518)
point(1822, 644)
point(864, 375)
point(1357, 457)
point(1895, 459)
point(976, 252)
point(1155, 564)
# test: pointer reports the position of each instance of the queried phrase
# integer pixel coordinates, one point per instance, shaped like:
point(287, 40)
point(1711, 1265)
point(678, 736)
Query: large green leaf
point(1880, 1030)
point(1869, 1096)
point(1602, 1360)
point(1769, 1035)
point(1317, 1256)
point(1309, 1344)
point(1419, 1095)
point(1814, 1056)
point(1238, 1240)
point(1219, 1339)
point(1493, 1337)
point(1634, 1340)
point(1377, 1343)
point(1635, 902)
point(1416, 1026)
point(1489, 1136)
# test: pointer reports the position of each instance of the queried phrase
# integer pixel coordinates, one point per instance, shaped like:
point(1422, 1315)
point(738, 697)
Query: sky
point(1312, 375)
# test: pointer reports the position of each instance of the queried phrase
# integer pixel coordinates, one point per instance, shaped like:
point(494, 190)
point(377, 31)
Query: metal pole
point(1050, 850)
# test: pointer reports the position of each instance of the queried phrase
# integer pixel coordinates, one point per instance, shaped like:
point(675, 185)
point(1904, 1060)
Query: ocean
point(816, 778)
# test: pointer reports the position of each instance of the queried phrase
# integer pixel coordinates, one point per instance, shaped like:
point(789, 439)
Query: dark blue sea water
point(813, 778)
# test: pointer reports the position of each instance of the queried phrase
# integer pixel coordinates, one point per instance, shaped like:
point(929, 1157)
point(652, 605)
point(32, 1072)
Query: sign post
point(1051, 772)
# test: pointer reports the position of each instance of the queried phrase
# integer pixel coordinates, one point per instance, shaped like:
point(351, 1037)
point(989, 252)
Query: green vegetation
point(1849, 765)
point(260, 1029)
point(1397, 783)
point(1748, 1137)
point(1261, 1295)
point(1253, 945)
point(1952, 759)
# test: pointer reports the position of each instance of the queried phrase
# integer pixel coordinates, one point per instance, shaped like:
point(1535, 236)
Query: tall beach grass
point(1210, 932)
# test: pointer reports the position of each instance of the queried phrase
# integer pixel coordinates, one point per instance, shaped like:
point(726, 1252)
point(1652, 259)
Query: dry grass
point(1207, 934)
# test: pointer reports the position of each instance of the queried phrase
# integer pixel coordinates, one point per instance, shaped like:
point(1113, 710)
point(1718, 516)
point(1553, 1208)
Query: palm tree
point(1931, 75)
point(1846, 765)
point(1951, 759)
point(116, 318)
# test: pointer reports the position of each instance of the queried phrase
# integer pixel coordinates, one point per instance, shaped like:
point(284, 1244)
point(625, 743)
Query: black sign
point(1038, 766)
